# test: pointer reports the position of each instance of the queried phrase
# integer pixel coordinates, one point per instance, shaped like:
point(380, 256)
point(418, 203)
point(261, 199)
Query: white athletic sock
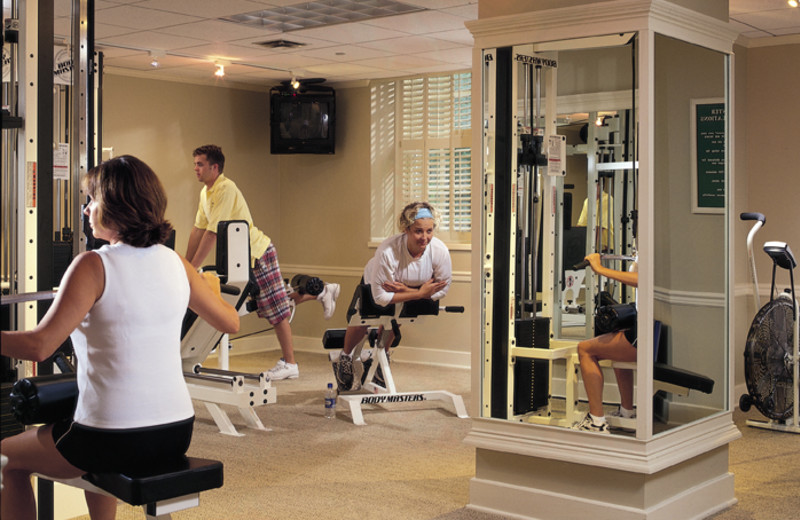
point(346, 355)
point(598, 421)
point(624, 412)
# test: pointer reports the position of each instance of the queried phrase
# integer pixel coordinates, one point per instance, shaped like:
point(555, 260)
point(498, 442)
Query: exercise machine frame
point(384, 323)
point(775, 250)
point(219, 386)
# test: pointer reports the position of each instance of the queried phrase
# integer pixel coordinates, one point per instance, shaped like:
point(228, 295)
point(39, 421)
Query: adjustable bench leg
point(223, 421)
point(458, 404)
point(355, 410)
point(251, 418)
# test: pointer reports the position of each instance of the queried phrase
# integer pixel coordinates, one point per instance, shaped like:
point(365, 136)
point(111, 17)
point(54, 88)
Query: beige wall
point(767, 172)
point(314, 207)
point(161, 122)
point(316, 210)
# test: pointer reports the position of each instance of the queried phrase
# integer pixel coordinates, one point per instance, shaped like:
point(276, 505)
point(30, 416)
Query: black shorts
point(97, 450)
point(630, 335)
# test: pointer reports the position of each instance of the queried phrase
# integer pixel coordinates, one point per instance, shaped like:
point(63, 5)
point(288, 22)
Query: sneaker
point(328, 299)
point(587, 425)
point(283, 370)
point(623, 414)
point(344, 372)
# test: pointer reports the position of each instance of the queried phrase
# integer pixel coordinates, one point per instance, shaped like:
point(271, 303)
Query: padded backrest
point(364, 304)
point(233, 251)
point(198, 338)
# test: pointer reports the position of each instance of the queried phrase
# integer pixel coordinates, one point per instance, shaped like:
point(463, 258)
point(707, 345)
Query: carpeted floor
point(409, 462)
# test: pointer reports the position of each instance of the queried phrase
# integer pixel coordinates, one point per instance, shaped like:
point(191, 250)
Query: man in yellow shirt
point(222, 200)
point(607, 238)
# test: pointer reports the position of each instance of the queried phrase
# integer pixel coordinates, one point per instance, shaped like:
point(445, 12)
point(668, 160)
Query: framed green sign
point(708, 155)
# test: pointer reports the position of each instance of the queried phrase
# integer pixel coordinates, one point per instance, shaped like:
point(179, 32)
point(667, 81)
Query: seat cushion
point(186, 476)
point(681, 377)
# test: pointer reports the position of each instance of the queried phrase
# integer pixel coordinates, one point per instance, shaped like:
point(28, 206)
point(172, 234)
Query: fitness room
point(614, 247)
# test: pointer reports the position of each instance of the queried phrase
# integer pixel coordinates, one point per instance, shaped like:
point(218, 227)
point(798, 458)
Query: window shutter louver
point(431, 119)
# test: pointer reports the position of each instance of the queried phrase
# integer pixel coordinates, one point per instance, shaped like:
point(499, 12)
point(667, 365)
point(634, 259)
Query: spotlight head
point(220, 72)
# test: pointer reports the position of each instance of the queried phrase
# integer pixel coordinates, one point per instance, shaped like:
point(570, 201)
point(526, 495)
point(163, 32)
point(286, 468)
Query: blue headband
point(423, 212)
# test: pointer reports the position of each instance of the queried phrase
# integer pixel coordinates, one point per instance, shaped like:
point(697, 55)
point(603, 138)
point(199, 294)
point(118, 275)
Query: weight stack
point(531, 376)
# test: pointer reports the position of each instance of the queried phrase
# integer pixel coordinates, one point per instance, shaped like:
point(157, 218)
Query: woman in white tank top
point(123, 306)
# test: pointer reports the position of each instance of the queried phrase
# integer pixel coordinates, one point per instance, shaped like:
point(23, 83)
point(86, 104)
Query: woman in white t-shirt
point(412, 265)
point(122, 305)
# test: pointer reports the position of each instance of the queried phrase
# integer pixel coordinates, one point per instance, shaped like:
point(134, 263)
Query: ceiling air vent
point(279, 44)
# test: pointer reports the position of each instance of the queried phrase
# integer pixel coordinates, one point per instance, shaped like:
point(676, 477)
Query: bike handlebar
point(754, 216)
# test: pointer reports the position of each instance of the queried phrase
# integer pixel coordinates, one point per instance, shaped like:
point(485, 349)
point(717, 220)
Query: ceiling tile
point(420, 23)
point(767, 20)
point(151, 40)
point(458, 56)
point(203, 8)
point(431, 41)
point(217, 31)
point(410, 45)
point(344, 53)
point(349, 33)
point(139, 18)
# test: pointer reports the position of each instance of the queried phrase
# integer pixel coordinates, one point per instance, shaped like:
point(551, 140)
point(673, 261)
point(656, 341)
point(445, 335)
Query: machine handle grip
point(229, 289)
point(583, 264)
point(453, 308)
point(754, 216)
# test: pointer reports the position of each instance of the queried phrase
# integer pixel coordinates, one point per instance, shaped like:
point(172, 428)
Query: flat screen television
point(302, 122)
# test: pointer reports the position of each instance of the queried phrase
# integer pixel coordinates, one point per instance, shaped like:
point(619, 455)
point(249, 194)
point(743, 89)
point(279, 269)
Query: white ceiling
point(188, 37)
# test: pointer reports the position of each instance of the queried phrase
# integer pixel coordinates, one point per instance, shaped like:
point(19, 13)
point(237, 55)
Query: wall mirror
point(561, 180)
point(690, 205)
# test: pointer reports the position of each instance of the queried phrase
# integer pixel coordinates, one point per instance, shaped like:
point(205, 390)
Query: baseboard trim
point(427, 356)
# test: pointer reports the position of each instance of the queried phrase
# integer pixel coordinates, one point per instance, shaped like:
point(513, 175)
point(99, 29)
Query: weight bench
point(160, 491)
point(666, 378)
point(220, 386)
point(171, 487)
point(379, 387)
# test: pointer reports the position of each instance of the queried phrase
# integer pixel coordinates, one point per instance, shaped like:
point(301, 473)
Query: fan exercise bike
point(771, 351)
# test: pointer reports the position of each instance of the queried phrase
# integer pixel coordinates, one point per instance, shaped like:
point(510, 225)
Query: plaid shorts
point(273, 302)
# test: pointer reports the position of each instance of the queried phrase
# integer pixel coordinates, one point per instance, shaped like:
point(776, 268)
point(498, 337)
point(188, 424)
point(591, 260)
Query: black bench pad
point(184, 477)
point(333, 338)
point(681, 377)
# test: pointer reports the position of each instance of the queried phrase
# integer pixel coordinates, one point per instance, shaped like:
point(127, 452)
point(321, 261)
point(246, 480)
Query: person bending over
point(411, 265)
point(615, 346)
point(123, 306)
point(222, 200)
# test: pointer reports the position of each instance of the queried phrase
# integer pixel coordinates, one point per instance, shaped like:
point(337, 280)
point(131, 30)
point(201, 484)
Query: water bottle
point(330, 402)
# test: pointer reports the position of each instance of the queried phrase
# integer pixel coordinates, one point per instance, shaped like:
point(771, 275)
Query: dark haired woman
point(122, 305)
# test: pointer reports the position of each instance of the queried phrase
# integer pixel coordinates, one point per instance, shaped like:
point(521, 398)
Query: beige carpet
point(409, 462)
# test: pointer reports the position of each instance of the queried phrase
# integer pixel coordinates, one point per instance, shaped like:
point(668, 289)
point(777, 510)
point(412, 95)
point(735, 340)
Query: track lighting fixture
point(295, 84)
point(220, 72)
point(154, 57)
